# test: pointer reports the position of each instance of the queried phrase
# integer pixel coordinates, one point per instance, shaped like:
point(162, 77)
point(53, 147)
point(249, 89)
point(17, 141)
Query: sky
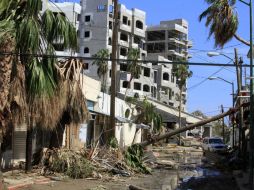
point(204, 95)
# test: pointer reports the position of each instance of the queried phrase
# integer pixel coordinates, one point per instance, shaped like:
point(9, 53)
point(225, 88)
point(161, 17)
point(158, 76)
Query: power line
point(123, 60)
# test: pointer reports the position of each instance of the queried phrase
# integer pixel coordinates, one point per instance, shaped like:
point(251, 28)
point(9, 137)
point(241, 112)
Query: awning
point(170, 118)
point(118, 118)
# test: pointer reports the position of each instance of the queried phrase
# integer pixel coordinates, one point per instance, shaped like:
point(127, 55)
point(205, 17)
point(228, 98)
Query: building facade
point(169, 39)
point(166, 42)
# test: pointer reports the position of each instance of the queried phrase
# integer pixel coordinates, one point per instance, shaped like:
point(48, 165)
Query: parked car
point(214, 144)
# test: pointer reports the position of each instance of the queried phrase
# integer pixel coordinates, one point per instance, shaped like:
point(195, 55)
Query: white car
point(214, 144)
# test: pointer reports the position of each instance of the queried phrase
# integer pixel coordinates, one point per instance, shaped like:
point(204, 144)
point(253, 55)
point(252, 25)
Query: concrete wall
point(124, 131)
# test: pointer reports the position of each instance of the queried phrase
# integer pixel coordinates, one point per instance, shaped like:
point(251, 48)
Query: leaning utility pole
point(113, 65)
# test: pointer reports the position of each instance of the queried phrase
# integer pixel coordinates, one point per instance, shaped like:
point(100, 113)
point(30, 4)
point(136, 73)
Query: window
point(58, 47)
point(77, 33)
point(129, 22)
point(146, 88)
point(139, 24)
point(137, 40)
point(153, 90)
point(111, 8)
point(170, 94)
point(123, 51)
point(87, 34)
point(143, 56)
point(110, 73)
point(137, 86)
point(146, 72)
point(173, 77)
point(87, 18)
point(123, 67)
point(155, 76)
point(101, 8)
point(110, 25)
point(78, 17)
point(109, 41)
point(166, 76)
point(125, 20)
point(85, 66)
point(90, 105)
point(125, 84)
point(124, 37)
point(86, 50)
point(156, 35)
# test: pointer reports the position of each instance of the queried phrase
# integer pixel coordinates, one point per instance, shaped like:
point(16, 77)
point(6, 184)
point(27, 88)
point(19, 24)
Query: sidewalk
point(17, 179)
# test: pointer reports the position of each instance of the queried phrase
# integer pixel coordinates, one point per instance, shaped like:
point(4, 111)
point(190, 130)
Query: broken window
point(87, 34)
point(109, 41)
point(156, 35)
point(166, 76)
point(124, 37)
point(139, 24)
point(137, 86)
point(125, 20)
point(86, 50)
point(125, 84)
point(146, 72)
point(110, 25)
point(146, 88)
point(123, 51)
point(123, 67)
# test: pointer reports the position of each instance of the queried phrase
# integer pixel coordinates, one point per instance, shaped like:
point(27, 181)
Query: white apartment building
point(96, 26)
point(169, 39)
point(94, 22)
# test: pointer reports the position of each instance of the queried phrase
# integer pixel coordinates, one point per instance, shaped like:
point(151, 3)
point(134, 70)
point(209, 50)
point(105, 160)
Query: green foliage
point(134, 66)
point(113, 143)
point(34, 33)
point(73, 165)
point(149, 114)
point(182, 73)
point(222, 19)
point(102, 64)
point(133, 158)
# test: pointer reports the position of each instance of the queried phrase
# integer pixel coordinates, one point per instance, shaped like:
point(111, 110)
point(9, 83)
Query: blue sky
point(204, 95)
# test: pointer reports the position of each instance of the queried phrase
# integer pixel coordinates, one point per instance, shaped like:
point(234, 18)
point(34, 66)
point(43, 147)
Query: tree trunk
point(241, 40)
point(5, 72)
point(128, 87)
point(190, 127)
point(180, 114)
point(29, 143)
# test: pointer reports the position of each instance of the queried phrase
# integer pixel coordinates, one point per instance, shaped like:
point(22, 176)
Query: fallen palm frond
point(71, 163)
point(134, 156)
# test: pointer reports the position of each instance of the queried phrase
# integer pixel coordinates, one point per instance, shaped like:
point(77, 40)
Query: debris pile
point(93, 162)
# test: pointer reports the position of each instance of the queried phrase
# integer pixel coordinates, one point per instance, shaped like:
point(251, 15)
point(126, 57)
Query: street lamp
point(212, 54)
point(232, 84)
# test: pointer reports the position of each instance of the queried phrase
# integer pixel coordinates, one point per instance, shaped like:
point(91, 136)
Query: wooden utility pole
point(113, 65)
point(239, 87)
point(223, 126)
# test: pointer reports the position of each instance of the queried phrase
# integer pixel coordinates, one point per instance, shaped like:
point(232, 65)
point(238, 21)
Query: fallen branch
point(190, 127)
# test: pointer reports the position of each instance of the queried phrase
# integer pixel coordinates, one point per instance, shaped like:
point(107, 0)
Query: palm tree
point(147, 115)
point(133, 67)
point(102, 64)
point(47, 91)
point(182, 73)
point(222, 19)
